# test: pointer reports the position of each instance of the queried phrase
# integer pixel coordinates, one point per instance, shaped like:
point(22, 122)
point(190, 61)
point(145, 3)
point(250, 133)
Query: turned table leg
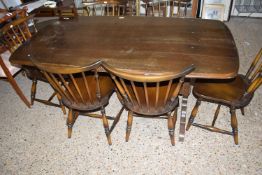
point(182, 127)
point(185, 92)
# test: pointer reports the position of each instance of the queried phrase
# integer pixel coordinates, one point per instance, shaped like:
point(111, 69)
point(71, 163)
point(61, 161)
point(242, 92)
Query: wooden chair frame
point(106, 8)
point(161, 7)
point(13, 35)
point(13, 83)
point(252, 80)
point(128, 85)
point(80, 100)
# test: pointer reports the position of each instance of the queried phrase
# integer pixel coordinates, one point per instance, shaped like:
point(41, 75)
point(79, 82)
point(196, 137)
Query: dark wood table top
point(137, 44)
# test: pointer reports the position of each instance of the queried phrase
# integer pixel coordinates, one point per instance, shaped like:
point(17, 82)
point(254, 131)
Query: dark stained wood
point(149, 95)
point(7, 15)
point(13, 35)
point(235, 94)
point(136, 44)
point(82, 90)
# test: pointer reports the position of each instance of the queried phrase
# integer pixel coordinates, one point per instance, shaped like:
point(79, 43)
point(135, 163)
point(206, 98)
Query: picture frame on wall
point(213, 11)
point(206, 5)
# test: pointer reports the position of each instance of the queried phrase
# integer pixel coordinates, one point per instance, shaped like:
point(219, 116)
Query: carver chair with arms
point(13, 35)
point(235, 94)
point(83, 90)
point(150, 95)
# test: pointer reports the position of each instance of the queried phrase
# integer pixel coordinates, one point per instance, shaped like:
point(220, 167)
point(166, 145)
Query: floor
point(34, 141)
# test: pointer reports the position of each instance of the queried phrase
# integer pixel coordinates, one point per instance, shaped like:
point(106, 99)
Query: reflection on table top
point(137, 44)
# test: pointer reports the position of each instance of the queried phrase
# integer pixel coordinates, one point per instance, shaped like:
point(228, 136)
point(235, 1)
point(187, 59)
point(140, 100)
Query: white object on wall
point(12, 3)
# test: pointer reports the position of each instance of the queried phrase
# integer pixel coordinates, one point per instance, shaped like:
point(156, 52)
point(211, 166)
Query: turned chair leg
point(170, 124)
point(216, 115)
point(234, 125)
point(33, 91)
point(175, 117)
point(242, 111)
point(59, 98)
point(106, 126)
point(129, 124)
point(193, 114)
point(70, 122)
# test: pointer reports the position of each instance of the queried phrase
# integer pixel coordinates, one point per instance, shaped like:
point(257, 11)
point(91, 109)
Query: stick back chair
point(182, 3)
point(159, 8)
point(151, 95)
point(66, 10)
point(235, 94)
point(105, 8)
point(83, 90)
point(67, 13)
point(13, 35)
point(165, 8)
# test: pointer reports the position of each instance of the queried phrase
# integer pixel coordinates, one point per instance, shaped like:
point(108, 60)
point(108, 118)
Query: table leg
point(185, 92)
point(182, 127)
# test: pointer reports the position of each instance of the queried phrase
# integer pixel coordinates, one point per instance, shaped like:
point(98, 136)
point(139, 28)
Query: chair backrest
point(254, 73)
point(161, 8)
point(16, 33)
point(105, 8)
point(165, 8)
point(179, 4)
point(130, 7)
point(67, 12)
point(150, 94)
point(82, 88)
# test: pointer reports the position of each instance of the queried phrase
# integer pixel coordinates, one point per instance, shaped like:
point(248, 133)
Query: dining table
point(137, 44)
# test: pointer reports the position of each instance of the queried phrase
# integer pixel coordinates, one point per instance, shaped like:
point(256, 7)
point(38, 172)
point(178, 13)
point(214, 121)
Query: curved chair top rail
point(15, 33)
point(254, 73)
point(66, 69)
point(147, 77)
point(16, 22)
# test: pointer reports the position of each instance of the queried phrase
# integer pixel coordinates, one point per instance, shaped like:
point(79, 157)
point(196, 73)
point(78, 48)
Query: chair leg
point(234, 125)
point(129, 125)
point(116, 120)
point(106, 126)
point(216, 115)
point(18, 90)
point(170, 124)
point(193, 114)
point(59, 98)
point(13, 83)
point(70, 120)
point(33, 91)
point(178, 10)
point(175, 117)
point(242, 111)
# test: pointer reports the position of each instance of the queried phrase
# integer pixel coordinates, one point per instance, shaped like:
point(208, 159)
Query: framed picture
point(213, 11)
point(226, 3)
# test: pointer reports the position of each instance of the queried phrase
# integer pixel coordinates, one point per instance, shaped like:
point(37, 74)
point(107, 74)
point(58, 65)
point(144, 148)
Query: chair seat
point(12, 69)
point(224, 91)
point(90, 102)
